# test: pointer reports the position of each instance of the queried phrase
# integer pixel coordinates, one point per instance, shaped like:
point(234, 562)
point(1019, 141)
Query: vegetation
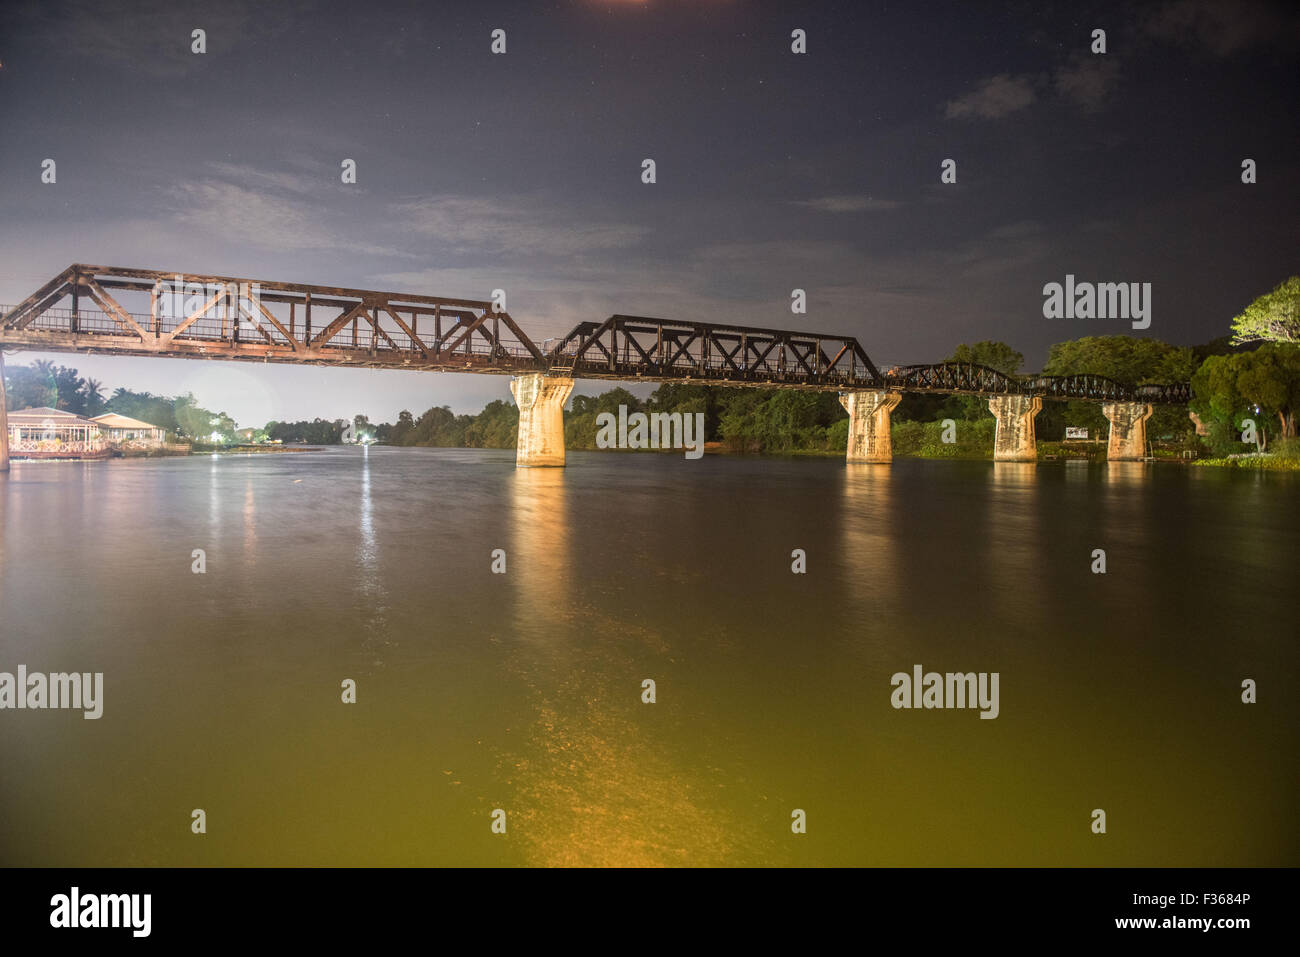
point(1127, 359)
point(974, 440)
point(315, 432)
point(43, 384)
point(1273, 317)
point(1284, 456)
point(1262, 387)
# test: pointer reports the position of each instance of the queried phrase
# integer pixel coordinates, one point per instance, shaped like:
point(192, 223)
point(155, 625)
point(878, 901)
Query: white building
point(46, 433)
point(122, 430)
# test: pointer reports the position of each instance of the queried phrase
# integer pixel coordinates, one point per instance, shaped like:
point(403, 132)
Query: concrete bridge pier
point(869, 438)
point(541, 419)
point(1013, 441)
point(4, 420)
point(1128, 430)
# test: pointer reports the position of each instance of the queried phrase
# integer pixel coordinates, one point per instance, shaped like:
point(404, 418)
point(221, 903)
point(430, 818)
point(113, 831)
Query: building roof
point(39, 416)
point(111, 420)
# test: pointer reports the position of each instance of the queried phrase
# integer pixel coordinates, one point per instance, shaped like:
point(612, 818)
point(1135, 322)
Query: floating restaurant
point(46, 433)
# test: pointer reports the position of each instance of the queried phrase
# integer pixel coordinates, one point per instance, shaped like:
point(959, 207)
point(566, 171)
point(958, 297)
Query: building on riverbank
point(45, 433)
point(121, 431)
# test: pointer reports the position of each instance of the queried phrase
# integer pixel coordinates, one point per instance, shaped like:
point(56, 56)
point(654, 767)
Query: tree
point(1270, 378)
point(1129, 360)
point(780, 420)
point(68, 394)
point(993, 355)
point(27, 388)
point(1227, 389)
point(1273, 317)
point(93, 390)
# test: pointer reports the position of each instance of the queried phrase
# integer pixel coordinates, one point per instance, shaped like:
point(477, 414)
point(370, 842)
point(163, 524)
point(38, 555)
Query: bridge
point(143, 312)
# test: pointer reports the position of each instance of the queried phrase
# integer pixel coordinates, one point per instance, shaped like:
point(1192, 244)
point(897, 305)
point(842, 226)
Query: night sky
point(774, 170)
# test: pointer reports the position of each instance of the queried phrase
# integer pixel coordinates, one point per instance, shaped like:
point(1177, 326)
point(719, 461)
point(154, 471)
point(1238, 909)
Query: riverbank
point(1272, 463)
point(253, 449)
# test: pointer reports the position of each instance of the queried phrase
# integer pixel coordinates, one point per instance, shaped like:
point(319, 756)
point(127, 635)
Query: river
point(523, 691)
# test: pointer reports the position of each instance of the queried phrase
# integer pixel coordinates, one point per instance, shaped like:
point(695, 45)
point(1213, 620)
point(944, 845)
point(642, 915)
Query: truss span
point(127, 311)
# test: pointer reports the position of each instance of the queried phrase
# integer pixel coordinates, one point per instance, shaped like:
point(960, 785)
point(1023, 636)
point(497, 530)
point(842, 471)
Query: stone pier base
point(1128, 430)
point(869, 439)
point(1013, 441)
point(541, 419)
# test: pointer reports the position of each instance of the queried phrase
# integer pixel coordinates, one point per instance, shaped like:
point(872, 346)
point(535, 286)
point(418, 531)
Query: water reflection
point(1124, 531)
point(214, 500)
point(1015, 543)
point(590, 782)
point(1128, 473)
point(250, 526)
point(869, 518)
point(372, 595)
point(538, 563)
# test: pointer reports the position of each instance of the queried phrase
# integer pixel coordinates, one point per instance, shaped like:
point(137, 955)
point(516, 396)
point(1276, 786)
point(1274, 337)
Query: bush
point(974, 440)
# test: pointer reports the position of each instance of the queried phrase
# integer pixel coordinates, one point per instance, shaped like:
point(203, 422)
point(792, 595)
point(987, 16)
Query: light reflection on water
point(523, 691)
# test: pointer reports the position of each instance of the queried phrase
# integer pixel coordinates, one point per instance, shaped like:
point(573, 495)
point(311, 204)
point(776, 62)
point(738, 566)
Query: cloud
point(306, 209)
point(1088, 80)
point(992, 98)
point(848, 204)
point(1002, 250)
point(277, 179)
point(258, 216)
point(518, 225)
point(1222, 29)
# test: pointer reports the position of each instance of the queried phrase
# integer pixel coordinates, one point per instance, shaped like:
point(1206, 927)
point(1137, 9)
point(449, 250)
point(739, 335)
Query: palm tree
point(94, 390)
point(49, 391)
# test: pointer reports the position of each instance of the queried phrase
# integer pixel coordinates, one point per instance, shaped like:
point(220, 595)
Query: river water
point(523, 691)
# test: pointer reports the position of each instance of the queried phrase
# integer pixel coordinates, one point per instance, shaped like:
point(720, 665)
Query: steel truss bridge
point(144, 312)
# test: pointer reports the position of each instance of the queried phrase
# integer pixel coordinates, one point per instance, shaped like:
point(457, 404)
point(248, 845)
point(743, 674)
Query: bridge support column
point(4, 420)
point(1013, 441)
point(541, 419)
point(1128, 430)
point(869, 438)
